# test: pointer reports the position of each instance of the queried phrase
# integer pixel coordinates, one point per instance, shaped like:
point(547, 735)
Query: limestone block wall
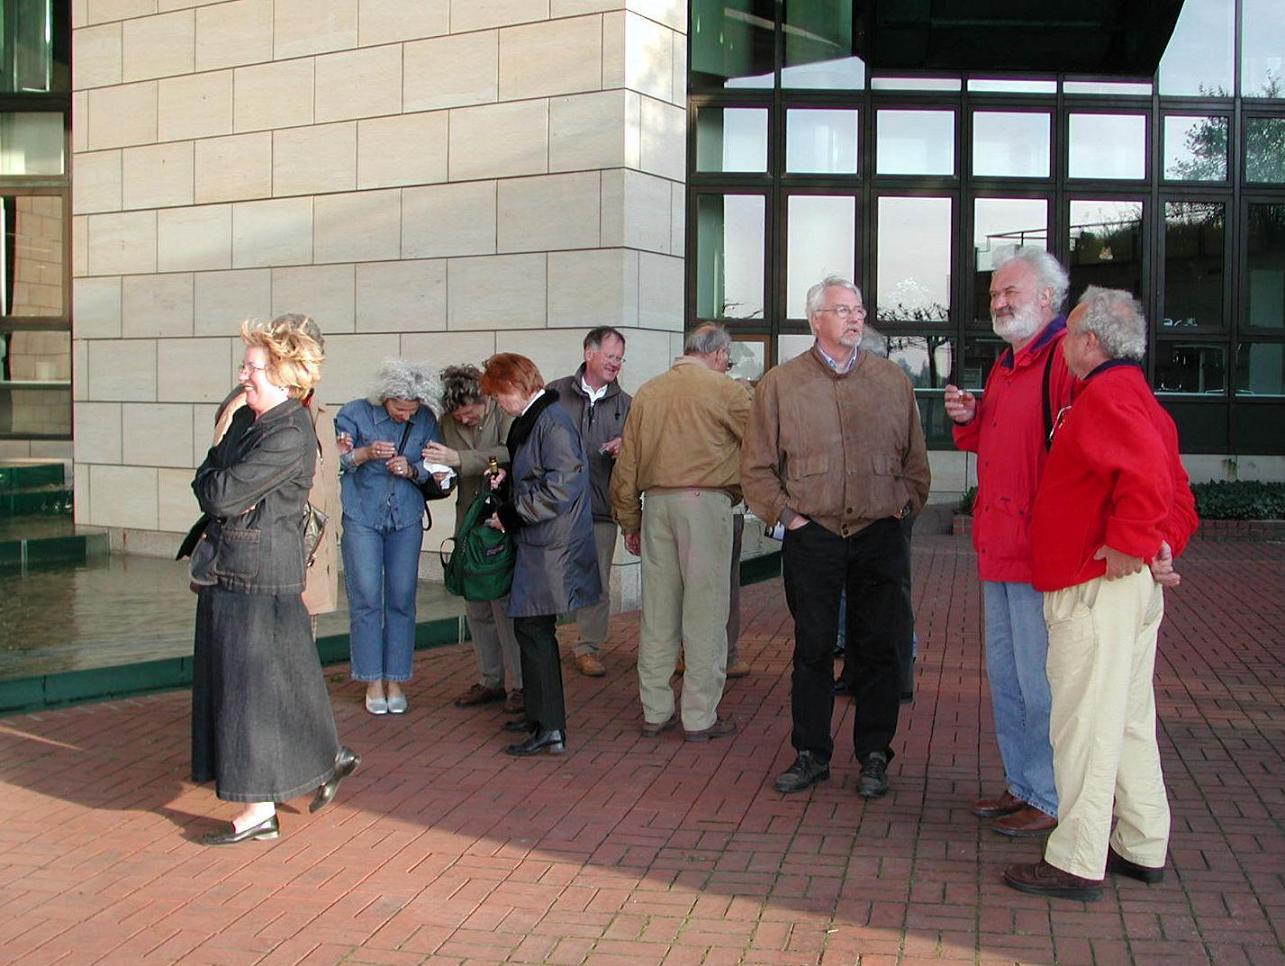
point(438, 179)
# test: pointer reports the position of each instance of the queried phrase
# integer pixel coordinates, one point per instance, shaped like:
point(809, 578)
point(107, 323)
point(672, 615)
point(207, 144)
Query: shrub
point(966, 501)
point(1240, 500)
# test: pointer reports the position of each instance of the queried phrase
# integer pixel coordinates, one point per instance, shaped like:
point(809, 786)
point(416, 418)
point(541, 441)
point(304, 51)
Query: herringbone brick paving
point(628, 850)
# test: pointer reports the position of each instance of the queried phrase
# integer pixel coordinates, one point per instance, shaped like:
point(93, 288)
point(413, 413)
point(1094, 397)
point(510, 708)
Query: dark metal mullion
point(1236, 174)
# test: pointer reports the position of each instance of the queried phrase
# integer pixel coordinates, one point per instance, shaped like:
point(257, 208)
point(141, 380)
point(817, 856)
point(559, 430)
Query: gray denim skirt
point(262, 726)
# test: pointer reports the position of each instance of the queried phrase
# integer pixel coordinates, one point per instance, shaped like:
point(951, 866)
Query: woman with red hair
point(547, 509)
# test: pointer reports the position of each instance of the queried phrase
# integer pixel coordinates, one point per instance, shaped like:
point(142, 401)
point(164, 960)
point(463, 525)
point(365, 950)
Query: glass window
point(40, 363)
point(31, 144)
point(29, 61)
point(1198, 368)
point(733, 43)
point(999, 224)
point(1195, 246)
point(915, 84)
point(1260, 369)
point(1004, 86)
point(981, 352)
point(32, 263)
point(731, 139)
point(1262, 55)
point(926, 359)
point(789, 345)
point(1115, 88)
point(1265, 149)
point(913, 259)
point(819, 49)
point(1108, 146)
point(821, 142)
point(1106, 245)
point(821, 240)
point(1198, 60)
point(1265, 266)
point(729, 256)
point(1010, 144)
point(1195, 148)
point(915, 142)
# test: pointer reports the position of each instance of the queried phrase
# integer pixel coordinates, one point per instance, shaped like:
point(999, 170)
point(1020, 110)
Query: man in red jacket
point(1007, 430)
point(1113, 499)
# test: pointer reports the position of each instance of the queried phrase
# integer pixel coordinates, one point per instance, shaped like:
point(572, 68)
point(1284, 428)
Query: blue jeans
point(1017, 645)
point(381, 571)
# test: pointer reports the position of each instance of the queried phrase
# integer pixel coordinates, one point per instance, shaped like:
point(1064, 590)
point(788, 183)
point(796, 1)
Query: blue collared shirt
point(371, 495)
point(840, 366)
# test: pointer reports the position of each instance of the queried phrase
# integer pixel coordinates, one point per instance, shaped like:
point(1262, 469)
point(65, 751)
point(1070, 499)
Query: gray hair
point(461, 386)
point(1048, 270)
point(300, 323)
point(1116, 318)
point(817, 291)
point(402, 379)
point(706, 339)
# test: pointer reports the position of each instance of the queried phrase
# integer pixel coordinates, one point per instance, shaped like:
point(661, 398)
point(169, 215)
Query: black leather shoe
point(873, 782)
point(841, 686)
point(519, 724)
point(555, 741)
point(806, 771)
point(346, 763)
point(1117, 864)
point(267, 829)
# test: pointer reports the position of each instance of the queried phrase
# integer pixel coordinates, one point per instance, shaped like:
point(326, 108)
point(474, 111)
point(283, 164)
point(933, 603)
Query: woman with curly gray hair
point(380, 438)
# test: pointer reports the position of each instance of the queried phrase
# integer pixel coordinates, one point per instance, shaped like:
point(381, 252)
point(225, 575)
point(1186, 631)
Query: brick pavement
point(626, 850)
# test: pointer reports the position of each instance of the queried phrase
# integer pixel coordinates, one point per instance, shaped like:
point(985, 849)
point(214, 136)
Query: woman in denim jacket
point(262, 726)
point(380, 439)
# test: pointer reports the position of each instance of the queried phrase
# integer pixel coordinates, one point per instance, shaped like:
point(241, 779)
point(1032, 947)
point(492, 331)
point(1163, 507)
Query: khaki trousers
point(494, 644)
point(591, 621)
point(686, 543)
point(1101, 658)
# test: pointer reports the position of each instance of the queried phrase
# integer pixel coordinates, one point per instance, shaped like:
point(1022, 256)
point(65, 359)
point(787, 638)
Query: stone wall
point(439, 179)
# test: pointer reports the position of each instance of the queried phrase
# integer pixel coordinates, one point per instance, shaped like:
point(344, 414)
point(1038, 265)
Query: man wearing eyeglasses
point(1008, 429)
point(596, 403)
point(835, 452)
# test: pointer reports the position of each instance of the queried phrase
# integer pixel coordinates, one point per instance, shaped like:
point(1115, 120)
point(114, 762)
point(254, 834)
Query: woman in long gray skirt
point(262, 727)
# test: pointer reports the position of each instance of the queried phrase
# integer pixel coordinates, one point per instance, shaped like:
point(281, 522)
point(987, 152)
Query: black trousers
point(541, 671)
point(872, 565)
point(905, 633)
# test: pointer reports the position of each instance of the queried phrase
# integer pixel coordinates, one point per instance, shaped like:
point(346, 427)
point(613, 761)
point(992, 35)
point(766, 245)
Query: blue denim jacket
point(371, 495)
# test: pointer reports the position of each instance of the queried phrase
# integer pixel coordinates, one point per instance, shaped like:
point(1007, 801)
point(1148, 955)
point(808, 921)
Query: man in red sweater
point(1006, 429)
point(1114, 498)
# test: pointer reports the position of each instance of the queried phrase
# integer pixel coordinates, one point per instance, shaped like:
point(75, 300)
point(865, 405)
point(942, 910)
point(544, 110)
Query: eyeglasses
point(251, 367)
point(844, 311)
point(614, 360)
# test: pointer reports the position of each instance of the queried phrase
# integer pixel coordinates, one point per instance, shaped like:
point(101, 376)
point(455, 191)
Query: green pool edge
point(65, 688)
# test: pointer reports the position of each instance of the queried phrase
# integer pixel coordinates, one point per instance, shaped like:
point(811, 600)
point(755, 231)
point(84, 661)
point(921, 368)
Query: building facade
point(444, 179)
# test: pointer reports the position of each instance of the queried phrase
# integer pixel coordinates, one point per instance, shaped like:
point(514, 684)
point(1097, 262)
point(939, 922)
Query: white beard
point(1019, 326)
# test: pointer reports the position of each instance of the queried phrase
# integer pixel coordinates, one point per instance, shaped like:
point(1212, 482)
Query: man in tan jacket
point(682, 445)
point(835, 452)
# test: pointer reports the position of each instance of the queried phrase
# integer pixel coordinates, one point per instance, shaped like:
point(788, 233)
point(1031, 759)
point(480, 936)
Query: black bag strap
point(406, 435)
point(1044, 394)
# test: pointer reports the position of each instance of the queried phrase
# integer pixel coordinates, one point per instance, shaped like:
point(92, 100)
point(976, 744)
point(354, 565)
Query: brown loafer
point(589, 666)
point(1027, 822)
point(1006, 804)
point(478, 694)
point(739, 669)
point(654, 729)
point(515, 703)
point(719, 729)
point(1117, 864)
point(1042, 879)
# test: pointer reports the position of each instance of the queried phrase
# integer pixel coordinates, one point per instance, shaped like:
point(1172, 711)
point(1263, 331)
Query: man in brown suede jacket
point(834, 451)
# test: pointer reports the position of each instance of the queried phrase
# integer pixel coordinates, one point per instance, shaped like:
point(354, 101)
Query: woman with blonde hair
point(381, 437)
point(263, 728)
